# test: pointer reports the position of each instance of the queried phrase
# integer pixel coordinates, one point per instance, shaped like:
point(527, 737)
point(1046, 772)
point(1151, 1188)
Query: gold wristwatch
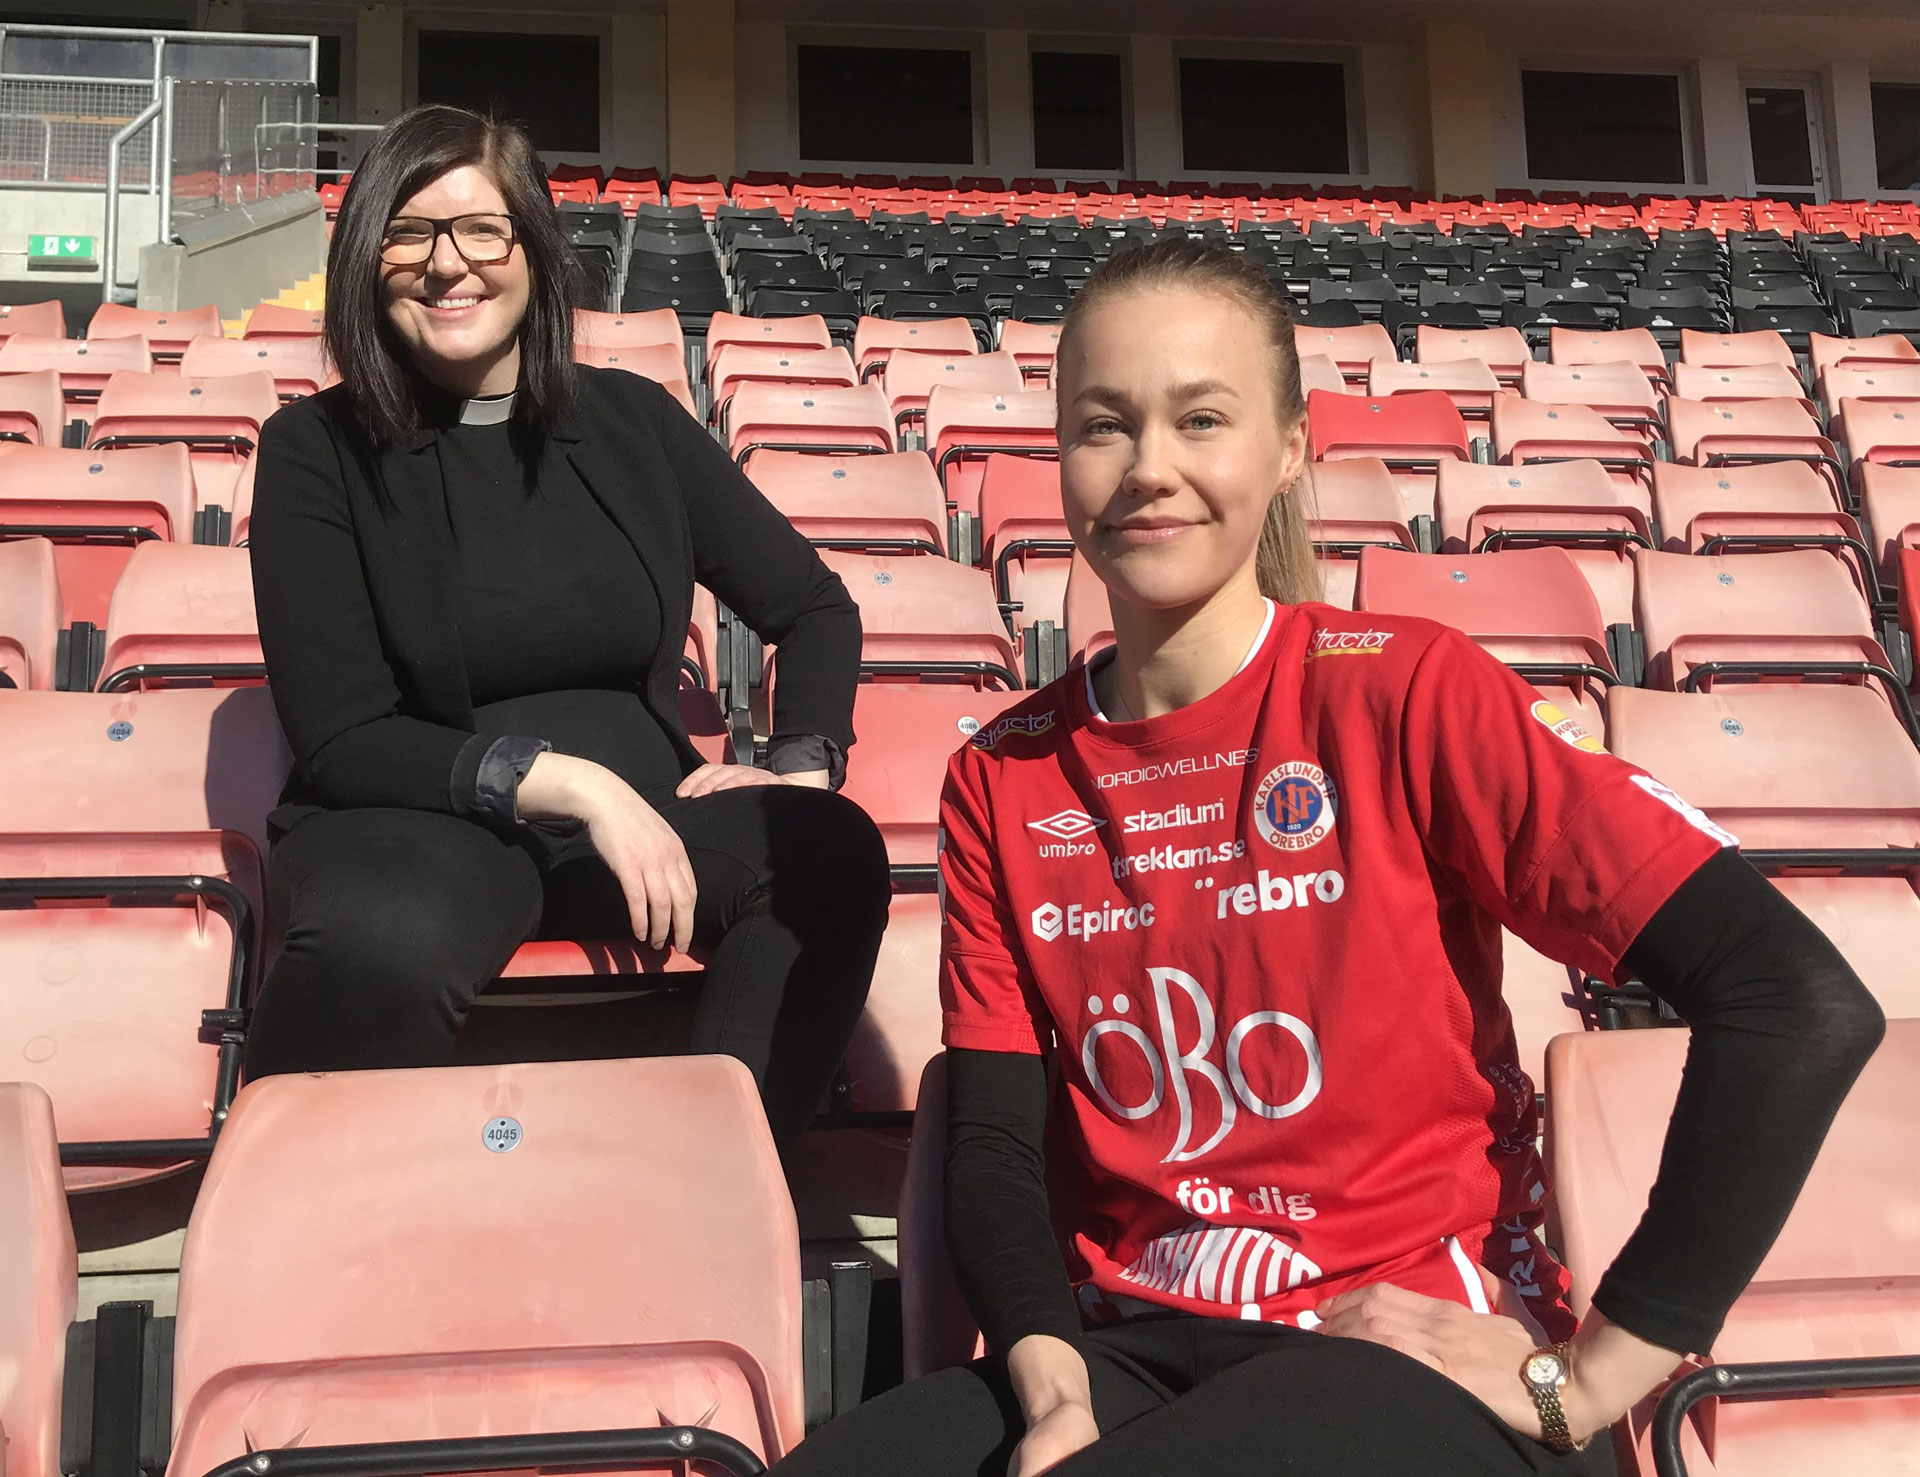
point(1545, 1375)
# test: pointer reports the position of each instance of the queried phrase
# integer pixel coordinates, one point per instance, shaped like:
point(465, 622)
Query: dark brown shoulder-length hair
point(411, 152)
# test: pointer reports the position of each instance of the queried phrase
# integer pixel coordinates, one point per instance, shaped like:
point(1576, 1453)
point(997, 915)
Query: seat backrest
point(734, 365)
point(938, 1329)
point(1318, 372)
point(1422, 425)
point(158, 405)
point(911, 375)
point(908, 731)
point(1614, 388)
point(39, 1282)
point(48, 319)
point(1691, 422)
point(547, 1246)
point(803, 331)
point(270, 320)
point(147, 487)
point(875, 339)
point(1469, 383)
point(1827, 352)
point(1472, 501)
point(1089, 610)
point(298, 365)
point(1032, 344)
point(29, 612)
point(1715, 350)
point(1880, 430)
point(1767, 381)
point(1636, 346)
point(1353, 349)
point(1683, 494)
point(182, 606)
point(921, 615)
point(1526, 606)
point(167, 330)
point(1779, 766)
point(842, 500)
point(32, 408)
point(630, 330)
point(83, 364)
point(665, 365)
point(1503, 350)
point(1354, 500)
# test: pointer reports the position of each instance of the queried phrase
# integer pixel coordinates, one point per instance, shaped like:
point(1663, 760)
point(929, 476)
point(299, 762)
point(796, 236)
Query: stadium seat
point(629, 330)
point(182, 614)
point(271, 320)
point(32, 409)
point(1729, 350)
point(1542, 996)
point(1879, 431)
point(1089, 613)
point(1023, 537)
point(614, 1316)
point(964, 427)
point(1033, 346)
point(1527, 431)
point(1890, 501)
point(926, 618)
point(1748, 432)
point(769, 417)
point(1571, 347)
point(1825, 352)
point(890, 503)
point(1775, 505)
point(665, 365)
point(95, 508)
point(734, 365)
point(1356, 503)
point(298, 365)
point(1736, 382)
point(167, 330)
point(1503, 350)
point(131, 838)
point(1822, 787)
point(29, 614)
point(218, 420)
point(84, 365)
point(1411, 433)
point(1836, 1285)
point(1468, 383)
point(1618, 390)
point(802, 331)
point(1868, 382)
point(911, 375)
point(875, 339)
point(1318, 372)
point(39, 1282)
point(44, 320)
point(1353, 349)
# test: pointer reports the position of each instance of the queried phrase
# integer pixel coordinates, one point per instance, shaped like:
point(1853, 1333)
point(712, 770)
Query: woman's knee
point(827, 848)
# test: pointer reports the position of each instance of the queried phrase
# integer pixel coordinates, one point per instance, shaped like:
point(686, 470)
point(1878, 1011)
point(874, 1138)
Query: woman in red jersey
point(1240, 883)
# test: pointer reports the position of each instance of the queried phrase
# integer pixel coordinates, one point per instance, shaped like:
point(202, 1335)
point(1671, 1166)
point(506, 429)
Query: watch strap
point(1546, 1400)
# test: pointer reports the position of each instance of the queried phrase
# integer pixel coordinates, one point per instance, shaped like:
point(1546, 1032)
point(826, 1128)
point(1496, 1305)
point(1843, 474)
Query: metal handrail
point(110, 230)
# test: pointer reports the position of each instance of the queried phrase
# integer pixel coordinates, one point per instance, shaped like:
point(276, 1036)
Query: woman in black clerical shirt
point(474, 566)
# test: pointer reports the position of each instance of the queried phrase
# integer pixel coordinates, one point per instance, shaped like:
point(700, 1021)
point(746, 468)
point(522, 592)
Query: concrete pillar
point(1726, 150)
point(637, 111)
point(379, 51)
point(1009, 94)
point(1853, 162)
point(1156, 110)
point(1460, 108)
point(700, 86)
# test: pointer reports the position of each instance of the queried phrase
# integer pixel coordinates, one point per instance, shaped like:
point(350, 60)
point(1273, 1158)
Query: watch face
point(1545, 1369)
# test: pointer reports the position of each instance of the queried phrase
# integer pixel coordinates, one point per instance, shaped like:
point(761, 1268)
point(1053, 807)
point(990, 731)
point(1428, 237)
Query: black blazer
point(351, 555)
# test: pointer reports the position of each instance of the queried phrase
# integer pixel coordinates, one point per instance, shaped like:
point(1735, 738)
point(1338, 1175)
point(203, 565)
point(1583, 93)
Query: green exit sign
point(45, 247)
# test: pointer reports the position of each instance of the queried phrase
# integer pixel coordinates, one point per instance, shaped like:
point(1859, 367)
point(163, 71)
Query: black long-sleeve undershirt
point(1781, 1028)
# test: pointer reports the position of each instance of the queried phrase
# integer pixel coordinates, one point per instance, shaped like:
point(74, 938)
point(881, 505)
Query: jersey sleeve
point(1567, 846)
point(988, 998)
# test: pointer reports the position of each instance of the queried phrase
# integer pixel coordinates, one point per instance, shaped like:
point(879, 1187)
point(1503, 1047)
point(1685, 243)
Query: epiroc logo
point(1084, 920)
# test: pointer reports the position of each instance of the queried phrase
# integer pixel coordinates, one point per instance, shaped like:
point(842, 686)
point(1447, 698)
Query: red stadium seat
point(911, 375)
point(1826, 352)
point(1890, 499)
point(1318, 372)
point(45, 320)
point(927, 618)
point(182, 614)
point(875, 339)
point(1775, 505)
point(166, 330)
point(428, 1338)
point(1412, 434)
point(630, 330)
point(1356, 503)
point(84, 365)
point(32, 409)
point(1033, 346)
point(805, 332)
point(734, 365)
point(298, 365)
point(1503, 350)
point(1088, 610)
point(1745, 432)
point(218, 420)
point(1724, 350)
point(1736, 382)
point(1822, 786)
point(1883, 431)
point(29, 614)
point(39, 1282)
point(271, 320)
point(768, 417)
point(1571, 347)
point(1527, 431)
point(1353, 349)
point(1837, 1284)
point(1023, 537)
point(661, 363)
point(95, 508)
point(964, 427)
point(105, 979)
point(867, 504)
point(1618, 390)
point(1468, 383)
point(1869, 382)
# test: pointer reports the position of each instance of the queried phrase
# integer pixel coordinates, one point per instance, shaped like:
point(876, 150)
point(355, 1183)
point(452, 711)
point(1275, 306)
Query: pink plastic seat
point(1819, 784)
point(1353, 349)
point(811, 418)
point(734, 365)
point(1743, 432)
point(1761, 508)
point(96, 508)
point(1569, 347)
point(166, 330)
point(631, 330)
point(911, 375)
point(1899, 381)
point(84, 365)
point(103, 995)
point(661, 363)
point(1827, 352)
point(298, 365)
point(1739, 382)
point(218, 420)
point(1356, 503)
point(1890, 498)
point(559, 1247)
point(876, 339)
point(1885, 431)
point(1503, 350)
point(39, 1282)
point(1089, 612)
point(1724, 350)
point(32, 409)
point(1541, 995)
point(1318, 372)
point(1033, 346)
point(1618, 390)
point(964, 427)
point(1411, 434)
point(807, 332)
point(29, 613)
point(1839, 1282)
point(927, 618)
point(46, 320)
point(899, 1030)
point(1022, 526)
point(1468, 383)
point(182, 614)
point(869, 504)
point(1527, 431)
point(271, 320)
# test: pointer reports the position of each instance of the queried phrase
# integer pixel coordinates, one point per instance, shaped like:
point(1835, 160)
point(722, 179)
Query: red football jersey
point(1261, 937)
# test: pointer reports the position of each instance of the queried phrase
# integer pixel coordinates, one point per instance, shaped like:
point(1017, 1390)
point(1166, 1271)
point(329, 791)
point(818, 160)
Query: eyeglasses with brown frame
point(482, 238)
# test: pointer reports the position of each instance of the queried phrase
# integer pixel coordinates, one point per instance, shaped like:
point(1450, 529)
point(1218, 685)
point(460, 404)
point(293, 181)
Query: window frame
point(1353, 71)
point(1909, 80)
point(508, 23)
point(889, 38)
point(1085, 46)
point(1689, 98)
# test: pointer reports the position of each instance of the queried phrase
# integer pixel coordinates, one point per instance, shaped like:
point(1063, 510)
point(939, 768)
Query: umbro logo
point(1067, 825)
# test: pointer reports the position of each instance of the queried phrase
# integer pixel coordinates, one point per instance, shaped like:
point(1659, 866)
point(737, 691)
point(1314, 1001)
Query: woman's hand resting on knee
point(642, 850)
point(1609, 1370)
point(711, 778)
point(1049, 1380)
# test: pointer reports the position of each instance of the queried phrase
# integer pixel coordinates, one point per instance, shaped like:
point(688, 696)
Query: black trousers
point(1203, 1396)
point(394, 920)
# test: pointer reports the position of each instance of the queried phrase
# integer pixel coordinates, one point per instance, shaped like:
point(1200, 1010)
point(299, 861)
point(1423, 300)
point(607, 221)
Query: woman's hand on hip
point(1050, 1382)
point(709, 779)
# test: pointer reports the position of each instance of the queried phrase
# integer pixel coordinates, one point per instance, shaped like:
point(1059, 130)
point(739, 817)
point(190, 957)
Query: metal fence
point(56, 131)
point(230, 142)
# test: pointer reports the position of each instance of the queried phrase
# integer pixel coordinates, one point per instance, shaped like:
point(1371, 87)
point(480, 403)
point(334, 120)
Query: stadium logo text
point(1178, 818)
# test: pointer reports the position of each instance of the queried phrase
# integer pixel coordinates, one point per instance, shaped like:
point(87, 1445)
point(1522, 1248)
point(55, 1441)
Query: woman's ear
point(1293, 456)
